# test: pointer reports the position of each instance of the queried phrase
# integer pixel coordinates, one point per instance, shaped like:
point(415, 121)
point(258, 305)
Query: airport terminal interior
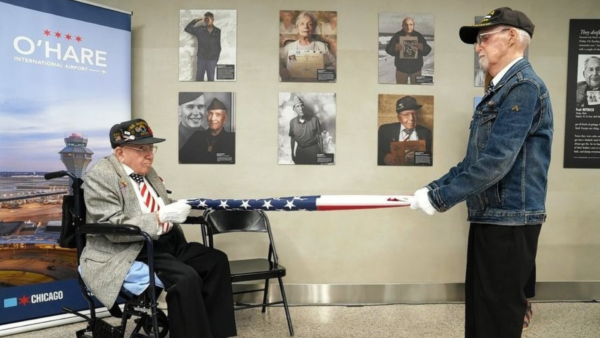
point(351, 271)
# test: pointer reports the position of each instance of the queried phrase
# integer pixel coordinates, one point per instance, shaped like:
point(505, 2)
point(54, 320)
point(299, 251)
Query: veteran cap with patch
point(132, 132)
point(500, 16)
point(407, 103)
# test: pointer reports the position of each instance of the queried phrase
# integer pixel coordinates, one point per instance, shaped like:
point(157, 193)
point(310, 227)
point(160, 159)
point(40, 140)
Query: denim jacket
point(504, 175)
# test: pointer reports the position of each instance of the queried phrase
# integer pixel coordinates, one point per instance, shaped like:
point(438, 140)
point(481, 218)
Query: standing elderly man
point(588, 91)
point(503, 177)
point(406, 129)
point(124, 189)
point(215, 145)
point(407, 68)
point(209, 46)
point(306, 141)
point(192, 110)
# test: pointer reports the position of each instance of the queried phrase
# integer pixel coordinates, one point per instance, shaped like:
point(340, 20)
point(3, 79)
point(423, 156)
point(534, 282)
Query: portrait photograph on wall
point(582, 122)
point(307, 46)
point(207, 45)
point(406, 48)
point(588, 82)
point(206, 128)
point(307, 123)
point(405, 134)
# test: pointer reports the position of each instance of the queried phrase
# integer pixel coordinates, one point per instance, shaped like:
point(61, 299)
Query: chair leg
point(285, 306)
point(265, 295)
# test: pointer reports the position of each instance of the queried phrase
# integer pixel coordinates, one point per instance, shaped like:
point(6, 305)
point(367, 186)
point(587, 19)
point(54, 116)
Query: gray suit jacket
point(110, 198)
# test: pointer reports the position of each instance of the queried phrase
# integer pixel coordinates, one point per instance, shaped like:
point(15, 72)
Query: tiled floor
point(550, 320)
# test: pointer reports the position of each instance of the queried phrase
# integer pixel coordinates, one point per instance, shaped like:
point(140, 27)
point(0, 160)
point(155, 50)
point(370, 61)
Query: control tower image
point(75, 155)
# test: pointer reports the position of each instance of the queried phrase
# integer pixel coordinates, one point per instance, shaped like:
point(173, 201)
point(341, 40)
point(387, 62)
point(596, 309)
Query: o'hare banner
point(65, 80)
point(304, 203)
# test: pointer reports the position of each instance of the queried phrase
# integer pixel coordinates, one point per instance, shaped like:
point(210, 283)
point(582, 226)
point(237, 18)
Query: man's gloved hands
point(421, 202)
point(175, 212)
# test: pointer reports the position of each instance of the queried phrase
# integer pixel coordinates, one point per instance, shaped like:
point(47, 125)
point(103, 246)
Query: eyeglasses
point(146, 150)
point(483, 37)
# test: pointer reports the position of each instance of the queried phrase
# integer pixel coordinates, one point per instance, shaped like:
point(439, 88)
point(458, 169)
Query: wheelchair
point(150, 319)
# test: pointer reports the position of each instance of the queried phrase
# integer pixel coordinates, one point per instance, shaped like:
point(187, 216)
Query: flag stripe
point(304, 203)
point(355, 207)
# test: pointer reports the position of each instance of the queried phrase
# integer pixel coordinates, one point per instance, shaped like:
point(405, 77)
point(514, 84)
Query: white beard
point(484, 63)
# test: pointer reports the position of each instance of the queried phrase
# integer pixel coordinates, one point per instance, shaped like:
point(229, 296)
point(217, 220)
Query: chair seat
point(253, 269)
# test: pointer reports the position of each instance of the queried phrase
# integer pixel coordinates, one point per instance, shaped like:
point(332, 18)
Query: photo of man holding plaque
point(308, 58)
point(406, 55)
point(404, 142)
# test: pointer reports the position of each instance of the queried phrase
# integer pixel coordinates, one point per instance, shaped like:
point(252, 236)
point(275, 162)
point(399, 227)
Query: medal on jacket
point(210, 145)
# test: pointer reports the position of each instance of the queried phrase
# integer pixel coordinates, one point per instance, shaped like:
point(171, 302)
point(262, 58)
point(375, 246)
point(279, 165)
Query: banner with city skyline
point(66, 79)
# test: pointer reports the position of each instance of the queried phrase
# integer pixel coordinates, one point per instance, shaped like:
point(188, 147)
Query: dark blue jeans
point(205, 66)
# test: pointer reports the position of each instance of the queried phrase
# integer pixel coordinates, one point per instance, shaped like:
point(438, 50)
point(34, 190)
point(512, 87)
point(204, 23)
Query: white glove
point(175, 212)
point(421, 202)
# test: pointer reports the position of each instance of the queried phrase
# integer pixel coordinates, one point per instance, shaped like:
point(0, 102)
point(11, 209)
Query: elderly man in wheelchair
point(123, 188)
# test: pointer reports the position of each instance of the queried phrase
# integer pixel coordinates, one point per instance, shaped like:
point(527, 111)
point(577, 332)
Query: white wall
point(376, 246)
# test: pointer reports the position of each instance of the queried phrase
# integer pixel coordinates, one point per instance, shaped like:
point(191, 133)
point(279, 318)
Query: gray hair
point(585, 63)
point(524, 37)
point(310, 15)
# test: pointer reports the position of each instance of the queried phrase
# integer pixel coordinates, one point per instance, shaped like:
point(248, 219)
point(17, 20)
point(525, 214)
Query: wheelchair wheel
point(163, 324)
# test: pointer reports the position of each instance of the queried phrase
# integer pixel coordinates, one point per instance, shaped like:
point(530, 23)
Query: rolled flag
point(303, 203)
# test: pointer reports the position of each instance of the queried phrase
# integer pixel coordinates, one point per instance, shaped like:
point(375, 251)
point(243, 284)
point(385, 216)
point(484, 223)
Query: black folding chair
point(225, 221)
point(152, 320)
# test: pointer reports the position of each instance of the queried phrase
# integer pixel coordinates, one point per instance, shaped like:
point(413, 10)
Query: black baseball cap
point(407, 103)
point(500, 16)
point(132, 132)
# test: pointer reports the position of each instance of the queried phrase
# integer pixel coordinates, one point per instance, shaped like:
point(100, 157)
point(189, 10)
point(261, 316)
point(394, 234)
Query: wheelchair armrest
point(203, 225)
point(195, 220)
point(103, 229)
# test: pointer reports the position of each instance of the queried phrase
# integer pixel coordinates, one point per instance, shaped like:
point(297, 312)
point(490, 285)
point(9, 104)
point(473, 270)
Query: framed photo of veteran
point(406, 48)
point(304, 64)
point(307, 46)
point(307, 128)
point(405, 135)
point(207, 45)
point(409, 47)
point(588, 84)
point(206, 128)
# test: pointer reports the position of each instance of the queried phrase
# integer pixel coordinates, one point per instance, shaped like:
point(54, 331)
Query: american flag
point(303, 203)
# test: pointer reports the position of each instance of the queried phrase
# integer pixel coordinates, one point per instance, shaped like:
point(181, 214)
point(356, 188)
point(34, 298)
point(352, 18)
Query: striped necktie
point(407, 133)
point(149, 200)
point(145, 191)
